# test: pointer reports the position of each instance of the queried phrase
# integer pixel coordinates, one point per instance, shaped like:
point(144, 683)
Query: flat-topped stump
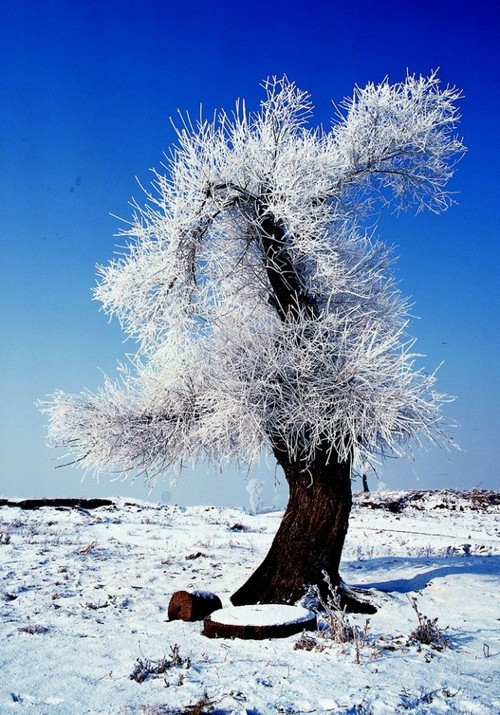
point(267, 620)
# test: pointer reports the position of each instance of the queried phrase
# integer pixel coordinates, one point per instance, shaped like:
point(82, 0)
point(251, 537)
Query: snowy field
point(84, 596)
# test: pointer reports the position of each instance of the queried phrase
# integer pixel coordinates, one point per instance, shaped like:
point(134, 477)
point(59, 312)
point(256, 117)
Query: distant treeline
point(71, 503)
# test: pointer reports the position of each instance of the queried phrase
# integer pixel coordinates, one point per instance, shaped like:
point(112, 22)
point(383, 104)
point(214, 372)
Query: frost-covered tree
point(266, 317)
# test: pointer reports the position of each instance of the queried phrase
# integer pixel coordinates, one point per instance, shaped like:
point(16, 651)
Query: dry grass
point(145, 669)
point(427, 632)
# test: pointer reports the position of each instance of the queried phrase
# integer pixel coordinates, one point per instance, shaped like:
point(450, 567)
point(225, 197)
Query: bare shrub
point(203, 706)
point(427, 632)
point(144, 669)
point(307, 642)
point(334, 622)
point(33, 629)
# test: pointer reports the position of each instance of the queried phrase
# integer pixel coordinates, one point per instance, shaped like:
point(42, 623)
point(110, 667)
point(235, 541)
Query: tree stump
point(268, 620)
point(193, 606)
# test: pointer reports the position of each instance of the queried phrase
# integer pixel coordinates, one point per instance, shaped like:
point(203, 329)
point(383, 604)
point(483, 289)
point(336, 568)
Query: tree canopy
point(265, 312)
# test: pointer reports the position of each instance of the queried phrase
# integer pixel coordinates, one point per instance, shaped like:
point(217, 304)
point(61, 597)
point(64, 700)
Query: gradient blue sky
point(87, 89)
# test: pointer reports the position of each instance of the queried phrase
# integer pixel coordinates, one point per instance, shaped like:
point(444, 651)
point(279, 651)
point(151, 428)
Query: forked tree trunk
point(309, 540)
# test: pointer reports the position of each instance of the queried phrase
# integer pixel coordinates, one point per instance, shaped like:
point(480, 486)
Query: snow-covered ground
point(84, 596)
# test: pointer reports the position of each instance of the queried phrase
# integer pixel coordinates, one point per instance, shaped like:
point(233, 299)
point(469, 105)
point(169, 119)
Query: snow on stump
point(193, 606)
point(267, 620)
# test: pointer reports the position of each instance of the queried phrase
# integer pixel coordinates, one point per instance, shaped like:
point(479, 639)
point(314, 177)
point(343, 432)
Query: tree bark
point(194, 606)
point(309, 540)
point(311, 535)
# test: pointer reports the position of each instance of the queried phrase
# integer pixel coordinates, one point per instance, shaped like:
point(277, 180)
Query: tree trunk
point(311, 535)
point(309, 540)
point(366, 488)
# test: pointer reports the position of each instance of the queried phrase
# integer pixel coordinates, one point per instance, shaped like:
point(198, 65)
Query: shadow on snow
point(440, 567)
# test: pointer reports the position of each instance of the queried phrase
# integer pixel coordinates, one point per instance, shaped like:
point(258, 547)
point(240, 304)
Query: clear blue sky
point(87, 89)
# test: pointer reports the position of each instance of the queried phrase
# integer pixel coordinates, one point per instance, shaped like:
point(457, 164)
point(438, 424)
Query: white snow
point(267, 614)
point(84, 596)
